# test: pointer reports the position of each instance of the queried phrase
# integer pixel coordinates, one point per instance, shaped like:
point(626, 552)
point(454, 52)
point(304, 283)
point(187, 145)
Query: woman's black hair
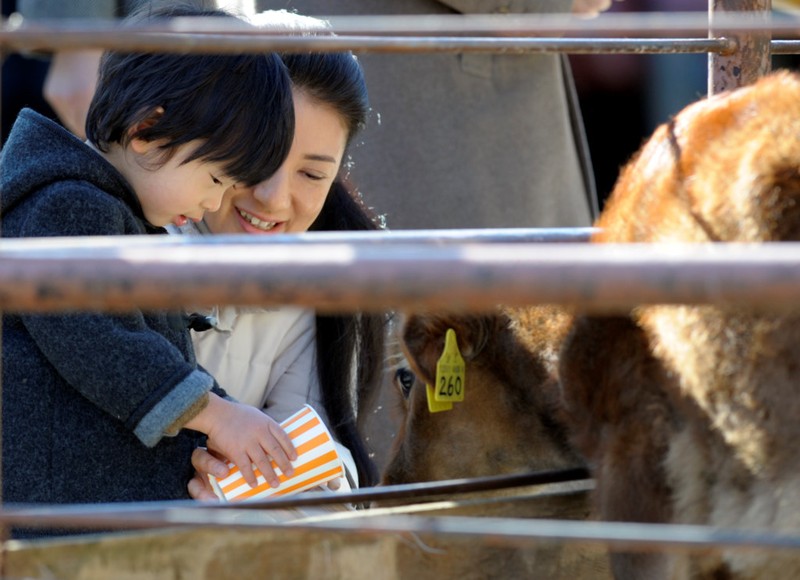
point(335, 79)
point(240, 106)
point(351, 341)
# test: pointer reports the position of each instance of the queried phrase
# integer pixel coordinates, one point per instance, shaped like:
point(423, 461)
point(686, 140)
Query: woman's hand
point(206, 463)
point(590, 8)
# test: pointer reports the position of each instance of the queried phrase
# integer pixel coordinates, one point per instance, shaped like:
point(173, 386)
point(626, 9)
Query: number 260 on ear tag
point(435, 406)
point(450, 371)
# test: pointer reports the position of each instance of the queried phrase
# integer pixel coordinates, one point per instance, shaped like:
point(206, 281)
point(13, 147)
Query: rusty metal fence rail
point(119, 274)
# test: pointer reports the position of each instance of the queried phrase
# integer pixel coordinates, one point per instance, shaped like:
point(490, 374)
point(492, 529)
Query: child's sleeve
point(118, 362)
point(124, 367)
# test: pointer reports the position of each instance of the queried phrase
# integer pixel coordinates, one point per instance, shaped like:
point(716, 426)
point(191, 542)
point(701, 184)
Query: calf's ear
point(423, 336)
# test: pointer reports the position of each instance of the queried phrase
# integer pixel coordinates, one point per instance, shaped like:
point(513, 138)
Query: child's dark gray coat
point(87, 397)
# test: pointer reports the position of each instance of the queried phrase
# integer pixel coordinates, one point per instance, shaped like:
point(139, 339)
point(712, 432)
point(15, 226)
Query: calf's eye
point(404, 379)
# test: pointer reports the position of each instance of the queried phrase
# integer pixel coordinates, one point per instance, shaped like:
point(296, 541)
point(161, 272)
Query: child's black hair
point(240, 106)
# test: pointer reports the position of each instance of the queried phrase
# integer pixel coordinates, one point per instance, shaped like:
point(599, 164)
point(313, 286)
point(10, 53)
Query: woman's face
point(290, 200)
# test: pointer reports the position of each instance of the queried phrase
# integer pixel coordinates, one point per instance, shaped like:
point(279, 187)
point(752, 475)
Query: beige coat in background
point(470, 140)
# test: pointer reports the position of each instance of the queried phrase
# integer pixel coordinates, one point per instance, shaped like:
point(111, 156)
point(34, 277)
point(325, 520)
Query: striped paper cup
point(317, 462)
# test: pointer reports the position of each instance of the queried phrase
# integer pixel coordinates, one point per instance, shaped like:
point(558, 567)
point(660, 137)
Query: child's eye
point(216, 181)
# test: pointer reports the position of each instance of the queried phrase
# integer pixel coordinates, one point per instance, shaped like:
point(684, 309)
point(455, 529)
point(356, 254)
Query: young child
point(105, 408)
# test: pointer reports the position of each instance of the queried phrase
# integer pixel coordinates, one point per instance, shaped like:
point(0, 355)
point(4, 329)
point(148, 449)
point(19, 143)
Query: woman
point(279, 359)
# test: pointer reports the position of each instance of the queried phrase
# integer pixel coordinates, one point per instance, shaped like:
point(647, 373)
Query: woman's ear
point(141, 146)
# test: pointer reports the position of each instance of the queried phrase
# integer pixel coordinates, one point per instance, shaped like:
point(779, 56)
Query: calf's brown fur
point(691, 414)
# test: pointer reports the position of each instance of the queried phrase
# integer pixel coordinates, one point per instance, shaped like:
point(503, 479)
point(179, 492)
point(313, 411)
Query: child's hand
point(247, 437)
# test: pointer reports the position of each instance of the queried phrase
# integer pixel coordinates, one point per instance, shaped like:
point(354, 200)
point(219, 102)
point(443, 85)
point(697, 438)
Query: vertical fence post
point(751, 60)
point(4, 532)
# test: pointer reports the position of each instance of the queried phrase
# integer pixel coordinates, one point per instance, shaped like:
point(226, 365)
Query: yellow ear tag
point(450, 371)
point(435, 406)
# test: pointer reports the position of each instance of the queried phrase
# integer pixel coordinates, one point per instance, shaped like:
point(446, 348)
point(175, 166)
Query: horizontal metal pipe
point(424, 490)
point(499, 531)
point(225, 43)
point(121, 273)
point(784, 47)
point(524, 531)
point(615, 23)
point(72, 515)
point(433, 237)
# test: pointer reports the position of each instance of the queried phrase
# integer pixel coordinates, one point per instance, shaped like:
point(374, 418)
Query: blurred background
point(625, 97)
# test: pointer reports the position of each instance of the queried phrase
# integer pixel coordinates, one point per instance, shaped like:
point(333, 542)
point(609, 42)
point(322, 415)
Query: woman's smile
point(292, 198)
point(254, 221)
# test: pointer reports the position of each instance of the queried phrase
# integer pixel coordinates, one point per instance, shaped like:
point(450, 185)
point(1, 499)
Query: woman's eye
point(314, 176)
point(404, 379)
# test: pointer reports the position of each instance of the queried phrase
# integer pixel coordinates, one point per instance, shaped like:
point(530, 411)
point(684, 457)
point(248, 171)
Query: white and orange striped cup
point(317, 462)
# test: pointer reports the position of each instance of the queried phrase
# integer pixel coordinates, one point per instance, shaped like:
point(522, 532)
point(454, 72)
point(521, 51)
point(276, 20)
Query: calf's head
point(509, 420)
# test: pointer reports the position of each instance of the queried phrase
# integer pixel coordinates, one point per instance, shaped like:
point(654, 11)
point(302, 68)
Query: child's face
point(176, 192)
point(290, 200)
